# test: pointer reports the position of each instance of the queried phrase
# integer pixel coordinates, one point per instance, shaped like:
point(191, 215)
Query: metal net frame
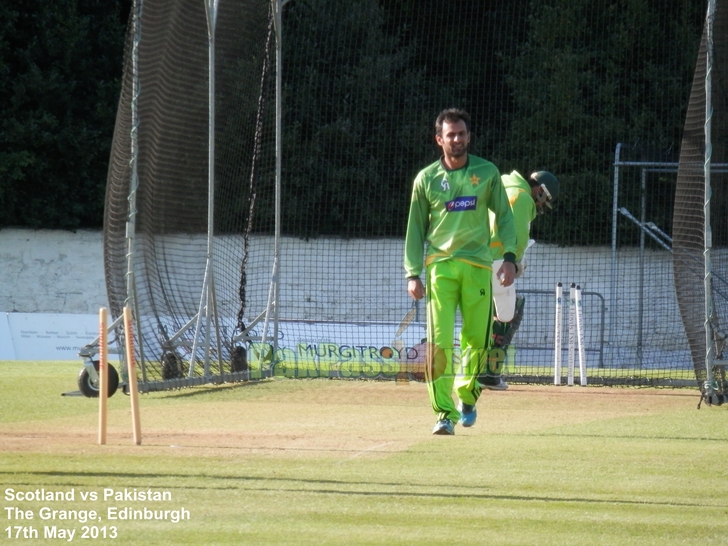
point(192, 155)
point(260, 234)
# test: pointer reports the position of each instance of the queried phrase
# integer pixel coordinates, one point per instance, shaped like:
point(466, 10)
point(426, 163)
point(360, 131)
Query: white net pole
point(203, 312)
point(708, 237)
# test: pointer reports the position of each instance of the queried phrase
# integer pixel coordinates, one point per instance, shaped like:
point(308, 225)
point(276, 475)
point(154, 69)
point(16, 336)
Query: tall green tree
point(60, 64)
point(461, 47)
point(593, 73)
point(357, 120)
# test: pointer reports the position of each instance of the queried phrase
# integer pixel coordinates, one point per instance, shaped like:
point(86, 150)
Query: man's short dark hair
point(451, 115)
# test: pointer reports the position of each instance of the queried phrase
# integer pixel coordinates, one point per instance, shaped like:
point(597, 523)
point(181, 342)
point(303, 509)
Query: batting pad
point(503, 297)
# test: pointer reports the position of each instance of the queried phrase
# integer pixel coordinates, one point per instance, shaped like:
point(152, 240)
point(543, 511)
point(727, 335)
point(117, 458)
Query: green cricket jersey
point(449, 211)
point(524, 212)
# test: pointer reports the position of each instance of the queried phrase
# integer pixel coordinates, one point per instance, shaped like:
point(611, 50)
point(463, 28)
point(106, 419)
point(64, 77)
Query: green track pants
point(453, 284)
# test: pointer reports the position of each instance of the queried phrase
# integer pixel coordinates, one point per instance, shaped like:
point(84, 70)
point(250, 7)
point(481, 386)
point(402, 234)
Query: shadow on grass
point(246, 484)
point(191, 392)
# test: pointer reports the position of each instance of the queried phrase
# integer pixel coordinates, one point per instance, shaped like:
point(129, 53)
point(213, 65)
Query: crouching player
point(528, 199)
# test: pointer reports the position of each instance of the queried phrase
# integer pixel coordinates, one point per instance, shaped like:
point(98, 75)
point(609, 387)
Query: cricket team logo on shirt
point(462, 203)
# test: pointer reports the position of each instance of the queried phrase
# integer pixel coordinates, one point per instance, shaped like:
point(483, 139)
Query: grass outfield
point(353, 462)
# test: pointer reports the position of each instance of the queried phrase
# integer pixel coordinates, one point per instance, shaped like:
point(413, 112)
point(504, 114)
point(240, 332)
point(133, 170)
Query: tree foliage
point(551, 84)
point(355, 105)
point(60, 64)
point(581, 84)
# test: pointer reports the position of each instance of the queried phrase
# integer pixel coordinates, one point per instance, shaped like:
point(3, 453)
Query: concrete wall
point(44, 271)
point(48, 274)
point(61, 272)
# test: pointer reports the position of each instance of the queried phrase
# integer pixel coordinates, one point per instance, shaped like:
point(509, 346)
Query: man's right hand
point(415, 288)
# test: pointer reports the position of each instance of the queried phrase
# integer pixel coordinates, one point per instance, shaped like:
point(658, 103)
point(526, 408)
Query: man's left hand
point(506, 274)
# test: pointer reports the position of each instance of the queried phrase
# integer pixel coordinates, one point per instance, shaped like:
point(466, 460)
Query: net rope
point(547, 88)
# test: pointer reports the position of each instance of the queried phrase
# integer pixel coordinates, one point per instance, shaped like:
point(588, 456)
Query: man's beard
point(459, 152)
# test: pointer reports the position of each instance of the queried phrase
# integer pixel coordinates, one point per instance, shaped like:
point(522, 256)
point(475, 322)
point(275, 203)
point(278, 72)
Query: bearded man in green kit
point(449, 212)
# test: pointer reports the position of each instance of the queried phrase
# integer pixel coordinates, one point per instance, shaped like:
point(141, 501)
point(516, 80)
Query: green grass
point(353, 462)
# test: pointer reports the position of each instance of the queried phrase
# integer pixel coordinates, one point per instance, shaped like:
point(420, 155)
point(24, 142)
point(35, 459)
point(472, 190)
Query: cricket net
point(704, 157)
point(316, 247)
point(160, 248)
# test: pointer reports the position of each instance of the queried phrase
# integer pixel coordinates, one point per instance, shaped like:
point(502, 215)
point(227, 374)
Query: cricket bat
point(398, 343)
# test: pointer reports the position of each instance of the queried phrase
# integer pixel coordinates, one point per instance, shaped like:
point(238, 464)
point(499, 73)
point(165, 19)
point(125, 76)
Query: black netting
point(171, 224)
point(689, 215)
point(593, 91)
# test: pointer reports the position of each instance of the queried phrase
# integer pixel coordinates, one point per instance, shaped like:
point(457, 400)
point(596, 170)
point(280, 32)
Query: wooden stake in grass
point(131, 372)
point(103, 375)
